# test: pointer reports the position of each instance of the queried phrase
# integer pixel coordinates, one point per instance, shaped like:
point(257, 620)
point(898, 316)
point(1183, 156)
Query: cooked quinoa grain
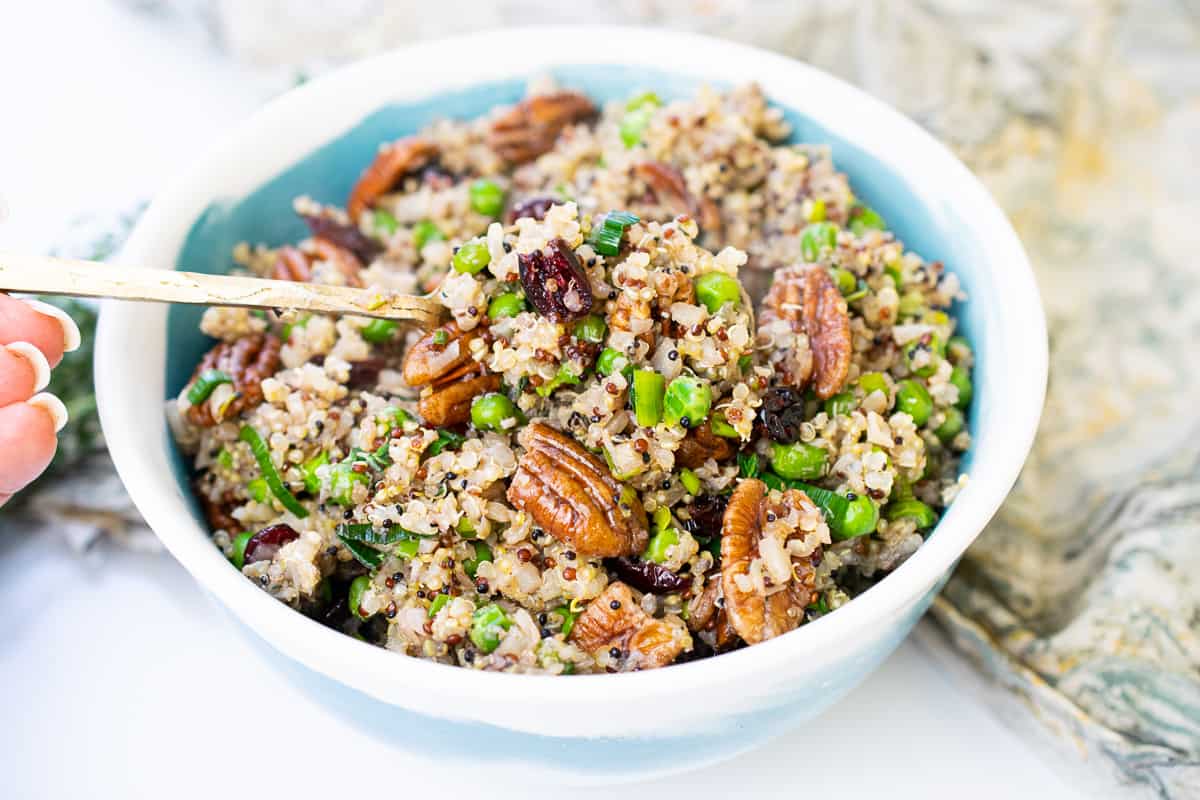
point(609, 458)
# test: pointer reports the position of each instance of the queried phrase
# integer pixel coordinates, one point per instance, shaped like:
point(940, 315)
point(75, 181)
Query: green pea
point(606, 364)
point(487, 626)
point(918, 512)
point(643, 100)
point(490, 412)
point(591, 329)
point(342, 479)
point(873, 382)
point(225, 458)
point(958, 349)
point(935, 349)
point(951, 426)
point(384, 221)
point(721, 427)
point(660, 543)
point(238, 556)
point(378, 331)
point(258, 490)
point(647, 397)
point(798, 461)
point(864, 218)
point(486, 198)
point(913, 399)
point(715, 289)
point(309, 470)
point(962, 379)
point(845, 280)
point(687, 401)
point(425, 232)
point(438, 604)
point(482, 553)
point(690, 481)
point(472, 257)
point(396, 417)
point(358, 588)
point(817, 237)
point(508, 304)
point(840, 404)
point(862, 516)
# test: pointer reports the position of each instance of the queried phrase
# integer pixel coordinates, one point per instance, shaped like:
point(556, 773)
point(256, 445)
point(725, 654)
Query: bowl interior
point(927, 223)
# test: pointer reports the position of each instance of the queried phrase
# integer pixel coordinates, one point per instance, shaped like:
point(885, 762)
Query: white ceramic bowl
point(315, 139)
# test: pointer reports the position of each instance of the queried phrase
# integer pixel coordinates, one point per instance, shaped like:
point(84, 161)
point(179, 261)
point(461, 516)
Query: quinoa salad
point(690, 393)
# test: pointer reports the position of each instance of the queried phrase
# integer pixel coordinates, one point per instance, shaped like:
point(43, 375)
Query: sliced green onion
point(816, 238)
point(816, 210)
point(203, 387)
point(309, 470)
point(438, 604)
point(367, 534)
point(634, 124)
point(358, 587)
point(225, 458)
point(366, 555)
point(642, 100)
point(487, 626)
point(660, 544)
point(262, 455)
point(748, 465)
point(606, 364)
point(647, 396)
point(607, 232)
point(591, 328)
point(721, 427)
point(482, 553)
point(859, 294)
point(258, 490)
point(302, 322)
point(690, 481)
point(238, 556)
point(864, 218)
point(564, 377)
point(406, 548)
point(447, 440)
point(568, 619)
point(342, 480)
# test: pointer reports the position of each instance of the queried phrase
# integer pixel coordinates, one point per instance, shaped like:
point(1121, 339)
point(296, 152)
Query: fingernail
point(54, 407)
point(71, 337)
point(41, 367)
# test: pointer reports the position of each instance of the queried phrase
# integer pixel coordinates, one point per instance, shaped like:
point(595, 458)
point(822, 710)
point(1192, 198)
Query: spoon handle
point(49, 275)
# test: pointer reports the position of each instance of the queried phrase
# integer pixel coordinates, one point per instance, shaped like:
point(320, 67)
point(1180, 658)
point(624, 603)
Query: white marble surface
point(122, 681)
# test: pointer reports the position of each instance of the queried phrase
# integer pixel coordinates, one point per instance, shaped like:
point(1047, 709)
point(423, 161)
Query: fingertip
point(36, 360)
point(52, 406)
point(71, 336)
point(27, 440)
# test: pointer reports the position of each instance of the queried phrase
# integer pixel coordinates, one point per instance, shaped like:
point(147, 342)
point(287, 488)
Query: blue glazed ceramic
point(315, 141)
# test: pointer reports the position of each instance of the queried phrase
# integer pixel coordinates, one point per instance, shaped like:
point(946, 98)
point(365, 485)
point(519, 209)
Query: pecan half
point(531, 127)
point(630, 311)
point(392, 163)
point(248, 361)
point(217, 513)
point(671, 190)
point(753, 613)
point(808, 299)
point(700, 445)
point(291, 265)
point(615, 620)
point(449, 404)
point(342, 259)
point(453, 376)
point(572, 496)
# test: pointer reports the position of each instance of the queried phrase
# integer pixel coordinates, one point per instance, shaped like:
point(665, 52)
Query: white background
point(118, 679)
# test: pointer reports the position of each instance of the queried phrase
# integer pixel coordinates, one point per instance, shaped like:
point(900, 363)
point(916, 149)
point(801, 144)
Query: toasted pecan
point(453, 376)
point(671, 190)
point(808, 299)
point(614, 620)
point(531, 127)
point(449, 404)
point(392, 163)
point(571, 495)
point(755, 615)
point(248, 361)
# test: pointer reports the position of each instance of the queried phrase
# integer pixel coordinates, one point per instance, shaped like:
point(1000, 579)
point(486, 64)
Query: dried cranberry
point(646, 576)
point(535, 207)
point(343, 235)
point(266, 543)
point(706, 515)
point(365, 374)
point(782, 413)
point(555, 282)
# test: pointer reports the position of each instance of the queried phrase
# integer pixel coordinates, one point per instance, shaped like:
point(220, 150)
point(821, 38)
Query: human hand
point(33, 338)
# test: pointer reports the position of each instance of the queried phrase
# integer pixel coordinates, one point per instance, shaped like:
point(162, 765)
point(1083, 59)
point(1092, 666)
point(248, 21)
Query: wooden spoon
point(78, 278)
